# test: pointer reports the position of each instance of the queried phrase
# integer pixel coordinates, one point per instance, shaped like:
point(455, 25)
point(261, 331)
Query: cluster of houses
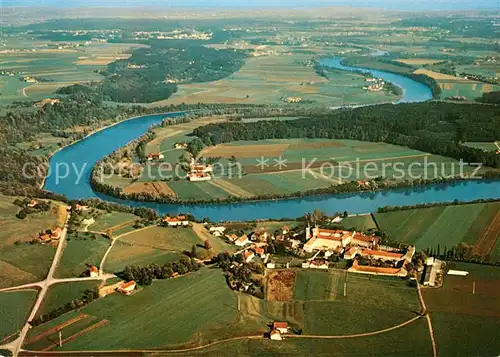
point(199, 172)
point(50, 236)
point(292, 100)
point(377, 86)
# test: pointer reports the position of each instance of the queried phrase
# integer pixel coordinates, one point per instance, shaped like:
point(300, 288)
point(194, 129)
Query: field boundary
point(56, 328)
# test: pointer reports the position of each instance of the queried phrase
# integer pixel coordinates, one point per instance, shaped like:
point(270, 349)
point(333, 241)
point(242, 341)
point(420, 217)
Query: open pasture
point(461, 318)
point(318, 285)
point(60, 294)
point(72, 325)
point(418, 61)
point(447, 226)
point(14, 310)
point(123, 254)
point(195, 308)
point(109, 221)
point(82, 250)
point(20, 261)
point(393, 343)
point(267, 79)
point(57, 68)
point(168, 239)
point(358, 223)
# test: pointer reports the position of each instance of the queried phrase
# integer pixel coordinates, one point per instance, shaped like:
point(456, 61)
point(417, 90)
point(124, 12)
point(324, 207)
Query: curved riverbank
point(74, 164)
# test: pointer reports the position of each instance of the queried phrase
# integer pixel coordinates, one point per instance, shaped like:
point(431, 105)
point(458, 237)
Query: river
point(74, 180)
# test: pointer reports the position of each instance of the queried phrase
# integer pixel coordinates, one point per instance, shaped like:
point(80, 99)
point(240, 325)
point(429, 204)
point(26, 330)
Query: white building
point(325, 239)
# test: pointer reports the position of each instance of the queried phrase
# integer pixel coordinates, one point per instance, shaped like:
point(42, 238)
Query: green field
point(124, 254)
point(60, 294)
point(196, 307)
point(14, 310)
point(467, 324)
point(446, 226)
point(168, 239)
point(359, 223)
point(157, 245)
point(81, 250)
point(56, 67)
point(267, 79)
point(109, 220)
point(482, 146)
point(20, 261)
point(395, 343)
point(318, 285)
point(320, 307)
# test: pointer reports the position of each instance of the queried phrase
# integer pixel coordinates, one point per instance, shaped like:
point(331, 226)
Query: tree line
point(145, 275)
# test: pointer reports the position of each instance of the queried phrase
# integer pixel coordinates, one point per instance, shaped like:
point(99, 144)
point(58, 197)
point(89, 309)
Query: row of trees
point(460, 252)
point(145, 275)
point(88, 297)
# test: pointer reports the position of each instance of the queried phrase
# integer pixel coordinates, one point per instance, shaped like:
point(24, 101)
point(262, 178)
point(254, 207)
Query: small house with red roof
point(242, 241)
point(248, 255)
point(155, 156)
point(127, 288)
point(93, 272)
point(32, 203)
point(282, 327)
point(56, 233)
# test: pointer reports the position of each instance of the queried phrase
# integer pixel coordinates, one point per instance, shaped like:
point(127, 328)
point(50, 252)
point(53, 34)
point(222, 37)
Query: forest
point(152, 74)
point(434, 127)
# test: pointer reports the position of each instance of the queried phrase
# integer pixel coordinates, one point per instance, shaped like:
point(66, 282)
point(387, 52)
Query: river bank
point(85, 153)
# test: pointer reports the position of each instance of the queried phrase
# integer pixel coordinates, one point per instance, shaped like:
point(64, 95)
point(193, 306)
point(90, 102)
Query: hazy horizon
point(382, 4)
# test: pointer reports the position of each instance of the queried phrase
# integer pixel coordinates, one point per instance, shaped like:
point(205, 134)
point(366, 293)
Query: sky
point(384, 4)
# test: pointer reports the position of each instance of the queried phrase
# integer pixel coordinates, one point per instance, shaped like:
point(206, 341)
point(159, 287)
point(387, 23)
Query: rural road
point(249, 337)
point(15, 346)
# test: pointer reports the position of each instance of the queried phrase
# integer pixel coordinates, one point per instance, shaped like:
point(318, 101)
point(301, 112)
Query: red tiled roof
point(364, 238)
point(128, 284)
point(332, 235)
point(370, 269)
point(247, 253)
point(381, 253)
point(278, 324)
point(94, 269)
point(175, 219)
point(259, 251)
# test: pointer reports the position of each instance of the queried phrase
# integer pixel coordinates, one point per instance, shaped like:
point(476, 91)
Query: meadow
point(194, 308)
point(357, 223)
point(153, 245)
point(396, 343)
point(446, 226)
point(109, 221)
point(267, 79)
point(14, 310)
point(465, 323)
point(60, 294)
point(82, 250)
point(20, 261)
point(318, 300)
point(56, 67)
